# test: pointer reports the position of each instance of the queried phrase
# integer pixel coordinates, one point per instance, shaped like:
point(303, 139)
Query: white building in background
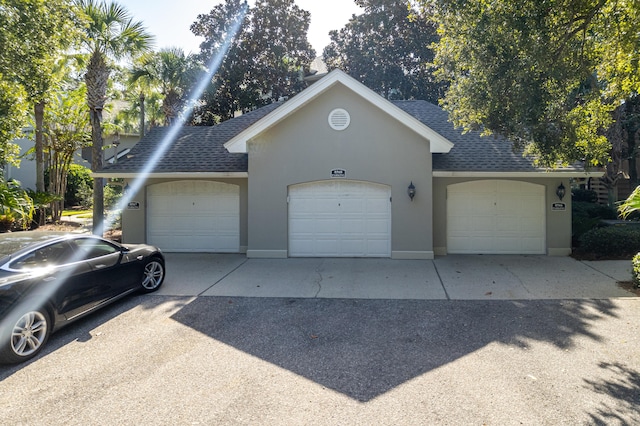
point(25, 173)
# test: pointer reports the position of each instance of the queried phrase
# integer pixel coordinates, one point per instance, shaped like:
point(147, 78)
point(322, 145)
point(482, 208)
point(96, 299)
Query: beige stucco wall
point(374, 148)
point(134, 221)
point(558, 223)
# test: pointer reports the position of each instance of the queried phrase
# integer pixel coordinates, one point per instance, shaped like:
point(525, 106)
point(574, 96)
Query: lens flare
point(174, 128)
point(34, 303)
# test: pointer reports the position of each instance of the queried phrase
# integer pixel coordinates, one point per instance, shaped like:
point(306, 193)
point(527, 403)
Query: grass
point(80, 213)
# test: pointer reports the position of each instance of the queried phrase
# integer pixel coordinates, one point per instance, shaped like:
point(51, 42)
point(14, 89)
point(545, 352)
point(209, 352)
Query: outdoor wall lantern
point(560, 191)
point(411, 190)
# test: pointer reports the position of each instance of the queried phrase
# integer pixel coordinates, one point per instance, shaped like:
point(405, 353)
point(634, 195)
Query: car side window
point(91, 248)
point(52, 255)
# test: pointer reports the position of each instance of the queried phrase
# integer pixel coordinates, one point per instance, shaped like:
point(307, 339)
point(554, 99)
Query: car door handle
point(49, 279)
point(100, 266)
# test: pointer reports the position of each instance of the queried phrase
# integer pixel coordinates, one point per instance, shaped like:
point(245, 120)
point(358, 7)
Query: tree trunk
point(39, 119)
point(141, 115)
point(97, 78)
point(38, 111)
point(96, 164)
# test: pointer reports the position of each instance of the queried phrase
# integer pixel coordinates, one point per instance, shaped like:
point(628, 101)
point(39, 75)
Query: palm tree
point(172, 73)
point(111, 34)
point(128, 119)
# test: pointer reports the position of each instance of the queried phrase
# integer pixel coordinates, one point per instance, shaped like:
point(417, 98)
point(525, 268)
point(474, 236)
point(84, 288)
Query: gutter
point(170, 175)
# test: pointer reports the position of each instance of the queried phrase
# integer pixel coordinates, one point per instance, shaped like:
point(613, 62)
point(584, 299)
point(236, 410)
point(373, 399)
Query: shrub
point(112, 195)
point(84, 195)
point(611, 241)
point(599, 211)
point(78, 181)
point(635, 272)
point(584, 195)
point(586, 216)
point(16, 207)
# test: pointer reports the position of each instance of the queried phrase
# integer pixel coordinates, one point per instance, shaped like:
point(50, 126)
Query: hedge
point(584, 195)
point(586, 216)
point(611, 241)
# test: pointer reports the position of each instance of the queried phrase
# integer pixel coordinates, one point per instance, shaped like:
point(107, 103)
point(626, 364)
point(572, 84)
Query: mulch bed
point(68, 226)
point(629, 286)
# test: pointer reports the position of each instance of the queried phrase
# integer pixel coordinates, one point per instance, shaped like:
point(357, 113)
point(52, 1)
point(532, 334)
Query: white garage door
point(340, 218)
point(496, 216)
point(195, 216)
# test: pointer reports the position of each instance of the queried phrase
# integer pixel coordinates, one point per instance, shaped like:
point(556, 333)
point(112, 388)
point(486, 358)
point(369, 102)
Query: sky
point(169, 20)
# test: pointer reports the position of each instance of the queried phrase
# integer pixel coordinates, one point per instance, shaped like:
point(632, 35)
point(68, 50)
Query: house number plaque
point(338, 173)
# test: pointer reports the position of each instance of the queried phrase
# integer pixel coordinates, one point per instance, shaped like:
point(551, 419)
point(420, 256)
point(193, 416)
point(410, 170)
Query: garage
point(194, 216)
point(339, 218)
point(496, 217)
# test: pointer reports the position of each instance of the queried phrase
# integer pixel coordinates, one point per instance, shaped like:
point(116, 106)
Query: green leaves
point(12, 117)
point(265, 61)
point(544, 74)
point(171, 73)
point(15, 204)
point(631, 204)
point(388, 49)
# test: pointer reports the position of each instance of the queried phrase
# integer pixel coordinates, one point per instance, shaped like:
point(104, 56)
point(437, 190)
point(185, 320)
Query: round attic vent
point(339, 119)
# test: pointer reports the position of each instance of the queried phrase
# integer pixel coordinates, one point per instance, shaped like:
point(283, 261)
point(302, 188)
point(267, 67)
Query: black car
point(48, 280)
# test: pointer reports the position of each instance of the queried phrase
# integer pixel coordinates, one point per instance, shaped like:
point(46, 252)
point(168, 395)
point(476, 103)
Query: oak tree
point(265, 62)
point(388, 49)
point(546, 75)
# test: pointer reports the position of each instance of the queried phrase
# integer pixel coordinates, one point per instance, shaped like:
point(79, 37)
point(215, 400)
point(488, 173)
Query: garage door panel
point(324, 226)
point(324, 247)
point(509, 225)
point(194, 216)
point(347, 206)
point(531, 244)
point(379, 227)
point(224, 225)
point(376, 205)
point(352, 247)
point(493, 216)
point(339, 218)
point(352, 226)
point(301, 226)
point(531, 228)
point(172, 222)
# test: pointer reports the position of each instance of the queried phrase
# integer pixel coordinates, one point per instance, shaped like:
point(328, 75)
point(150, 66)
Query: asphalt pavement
point(296, 360)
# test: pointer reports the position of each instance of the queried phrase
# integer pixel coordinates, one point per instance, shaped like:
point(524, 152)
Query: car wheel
point(153, 275)
point(25, 336)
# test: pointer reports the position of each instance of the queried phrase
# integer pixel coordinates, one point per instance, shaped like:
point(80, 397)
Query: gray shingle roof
point(470, 152)
point(194, 148)
point(201, 148)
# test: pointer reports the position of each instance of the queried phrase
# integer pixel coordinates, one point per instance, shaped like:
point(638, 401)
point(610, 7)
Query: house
point(25, 172)
point(338, 171)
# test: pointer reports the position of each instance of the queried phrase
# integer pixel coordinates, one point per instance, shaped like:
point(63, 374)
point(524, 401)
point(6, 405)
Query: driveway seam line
point(319, 282)
point(597, 270)
point(446, 293)
point(223, 277)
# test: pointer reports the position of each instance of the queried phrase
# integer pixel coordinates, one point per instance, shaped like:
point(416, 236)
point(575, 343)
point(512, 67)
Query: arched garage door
point(496, 217)
point(194, 216)
point(340, 218)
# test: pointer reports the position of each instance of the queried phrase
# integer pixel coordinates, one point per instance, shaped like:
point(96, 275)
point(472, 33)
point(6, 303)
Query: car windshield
point(11, 242)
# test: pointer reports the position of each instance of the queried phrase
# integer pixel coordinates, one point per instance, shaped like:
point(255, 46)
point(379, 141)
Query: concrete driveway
point(454, 277)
